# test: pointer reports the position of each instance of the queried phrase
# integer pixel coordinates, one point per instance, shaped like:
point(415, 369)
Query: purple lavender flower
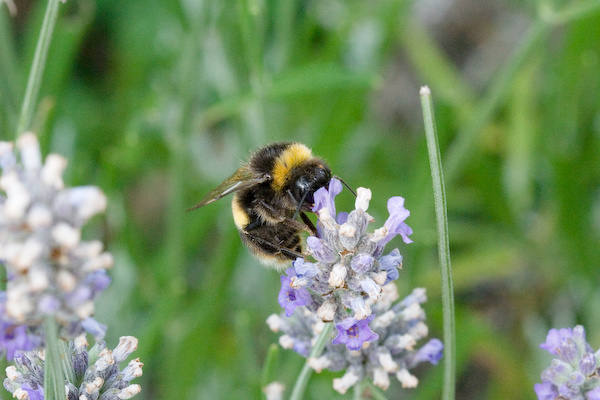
point(390, 263)
point(545, 391)
point(325, 198)
point(354, 333)
point(350, 284)
point(290, 298)
point(96, 373)
point(392, 332)
point(574, 374)
point(432, 351)
point(15, 338)
point(349, 269)
point(554, 339)
point(33, 394)
point(395, 224)
point(594, 394)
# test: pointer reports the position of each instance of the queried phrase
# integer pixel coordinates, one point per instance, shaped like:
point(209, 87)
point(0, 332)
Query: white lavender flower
point(91, 374)
point(398, 326)
point(50, 270)
point(350, 271)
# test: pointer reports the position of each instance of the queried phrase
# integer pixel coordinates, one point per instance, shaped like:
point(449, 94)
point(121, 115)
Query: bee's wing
point(243, 178)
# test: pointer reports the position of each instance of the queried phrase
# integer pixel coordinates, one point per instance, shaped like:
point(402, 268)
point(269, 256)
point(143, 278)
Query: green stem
point(37, 67)
point(439, 193)
point(302, 381)
point(54, 379)
point(66, 361)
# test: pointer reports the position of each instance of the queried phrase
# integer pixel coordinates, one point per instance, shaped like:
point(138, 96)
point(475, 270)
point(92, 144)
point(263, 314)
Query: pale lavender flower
point(396, 327)
point(96, 372)
point(51, 271)
point(574, 374)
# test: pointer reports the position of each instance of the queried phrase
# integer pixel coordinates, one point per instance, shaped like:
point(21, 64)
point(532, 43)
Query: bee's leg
point(288, 253)
point(252, 225)
point(291, 254)
point(308, 223)
point(294, 224)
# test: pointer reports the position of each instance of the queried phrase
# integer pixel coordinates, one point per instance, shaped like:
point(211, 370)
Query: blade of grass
point(443, 245)
point(37, 67)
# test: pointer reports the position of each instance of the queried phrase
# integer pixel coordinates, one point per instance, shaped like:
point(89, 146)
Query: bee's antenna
point(345, 184)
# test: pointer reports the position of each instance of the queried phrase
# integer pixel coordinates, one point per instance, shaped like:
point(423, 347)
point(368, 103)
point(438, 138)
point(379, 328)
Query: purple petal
point(587, 365)
point(362, 263)
point(554, 338)
point(98, 281)
point(594, 394)
point(354, 333)
point(48, 304)
point(432, 351)
point(341, 218)
point(290, 298)
point(16, 338)
point(395, 223)
point(545, 391)
point(390, 263)
point(305, 268)
point(94, 327)
point(321, 251)
point(302, 348)
point(37, 394)
point(326, 198)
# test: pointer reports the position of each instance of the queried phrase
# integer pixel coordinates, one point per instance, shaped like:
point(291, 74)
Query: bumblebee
point(270, 190)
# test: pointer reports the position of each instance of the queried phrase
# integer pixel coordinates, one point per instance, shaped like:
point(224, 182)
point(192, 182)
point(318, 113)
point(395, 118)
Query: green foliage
point(157, 101)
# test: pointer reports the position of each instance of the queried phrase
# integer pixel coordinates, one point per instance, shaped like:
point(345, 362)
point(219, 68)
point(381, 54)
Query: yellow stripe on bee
point(291, 157)
point(240, 216)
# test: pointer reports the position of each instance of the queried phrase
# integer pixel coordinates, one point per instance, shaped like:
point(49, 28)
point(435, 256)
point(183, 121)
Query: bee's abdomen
point(241, 216)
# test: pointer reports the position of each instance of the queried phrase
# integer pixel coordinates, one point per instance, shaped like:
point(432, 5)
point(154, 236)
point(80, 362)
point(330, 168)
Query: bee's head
point(307, 180)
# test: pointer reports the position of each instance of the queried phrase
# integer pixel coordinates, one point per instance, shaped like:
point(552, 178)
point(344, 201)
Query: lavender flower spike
point(96, 372)
point(574, 374)
point(391, 332)
point(349, 267)
point(51, 271)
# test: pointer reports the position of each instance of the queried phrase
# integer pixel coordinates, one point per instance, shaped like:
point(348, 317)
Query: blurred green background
point(157, 102)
